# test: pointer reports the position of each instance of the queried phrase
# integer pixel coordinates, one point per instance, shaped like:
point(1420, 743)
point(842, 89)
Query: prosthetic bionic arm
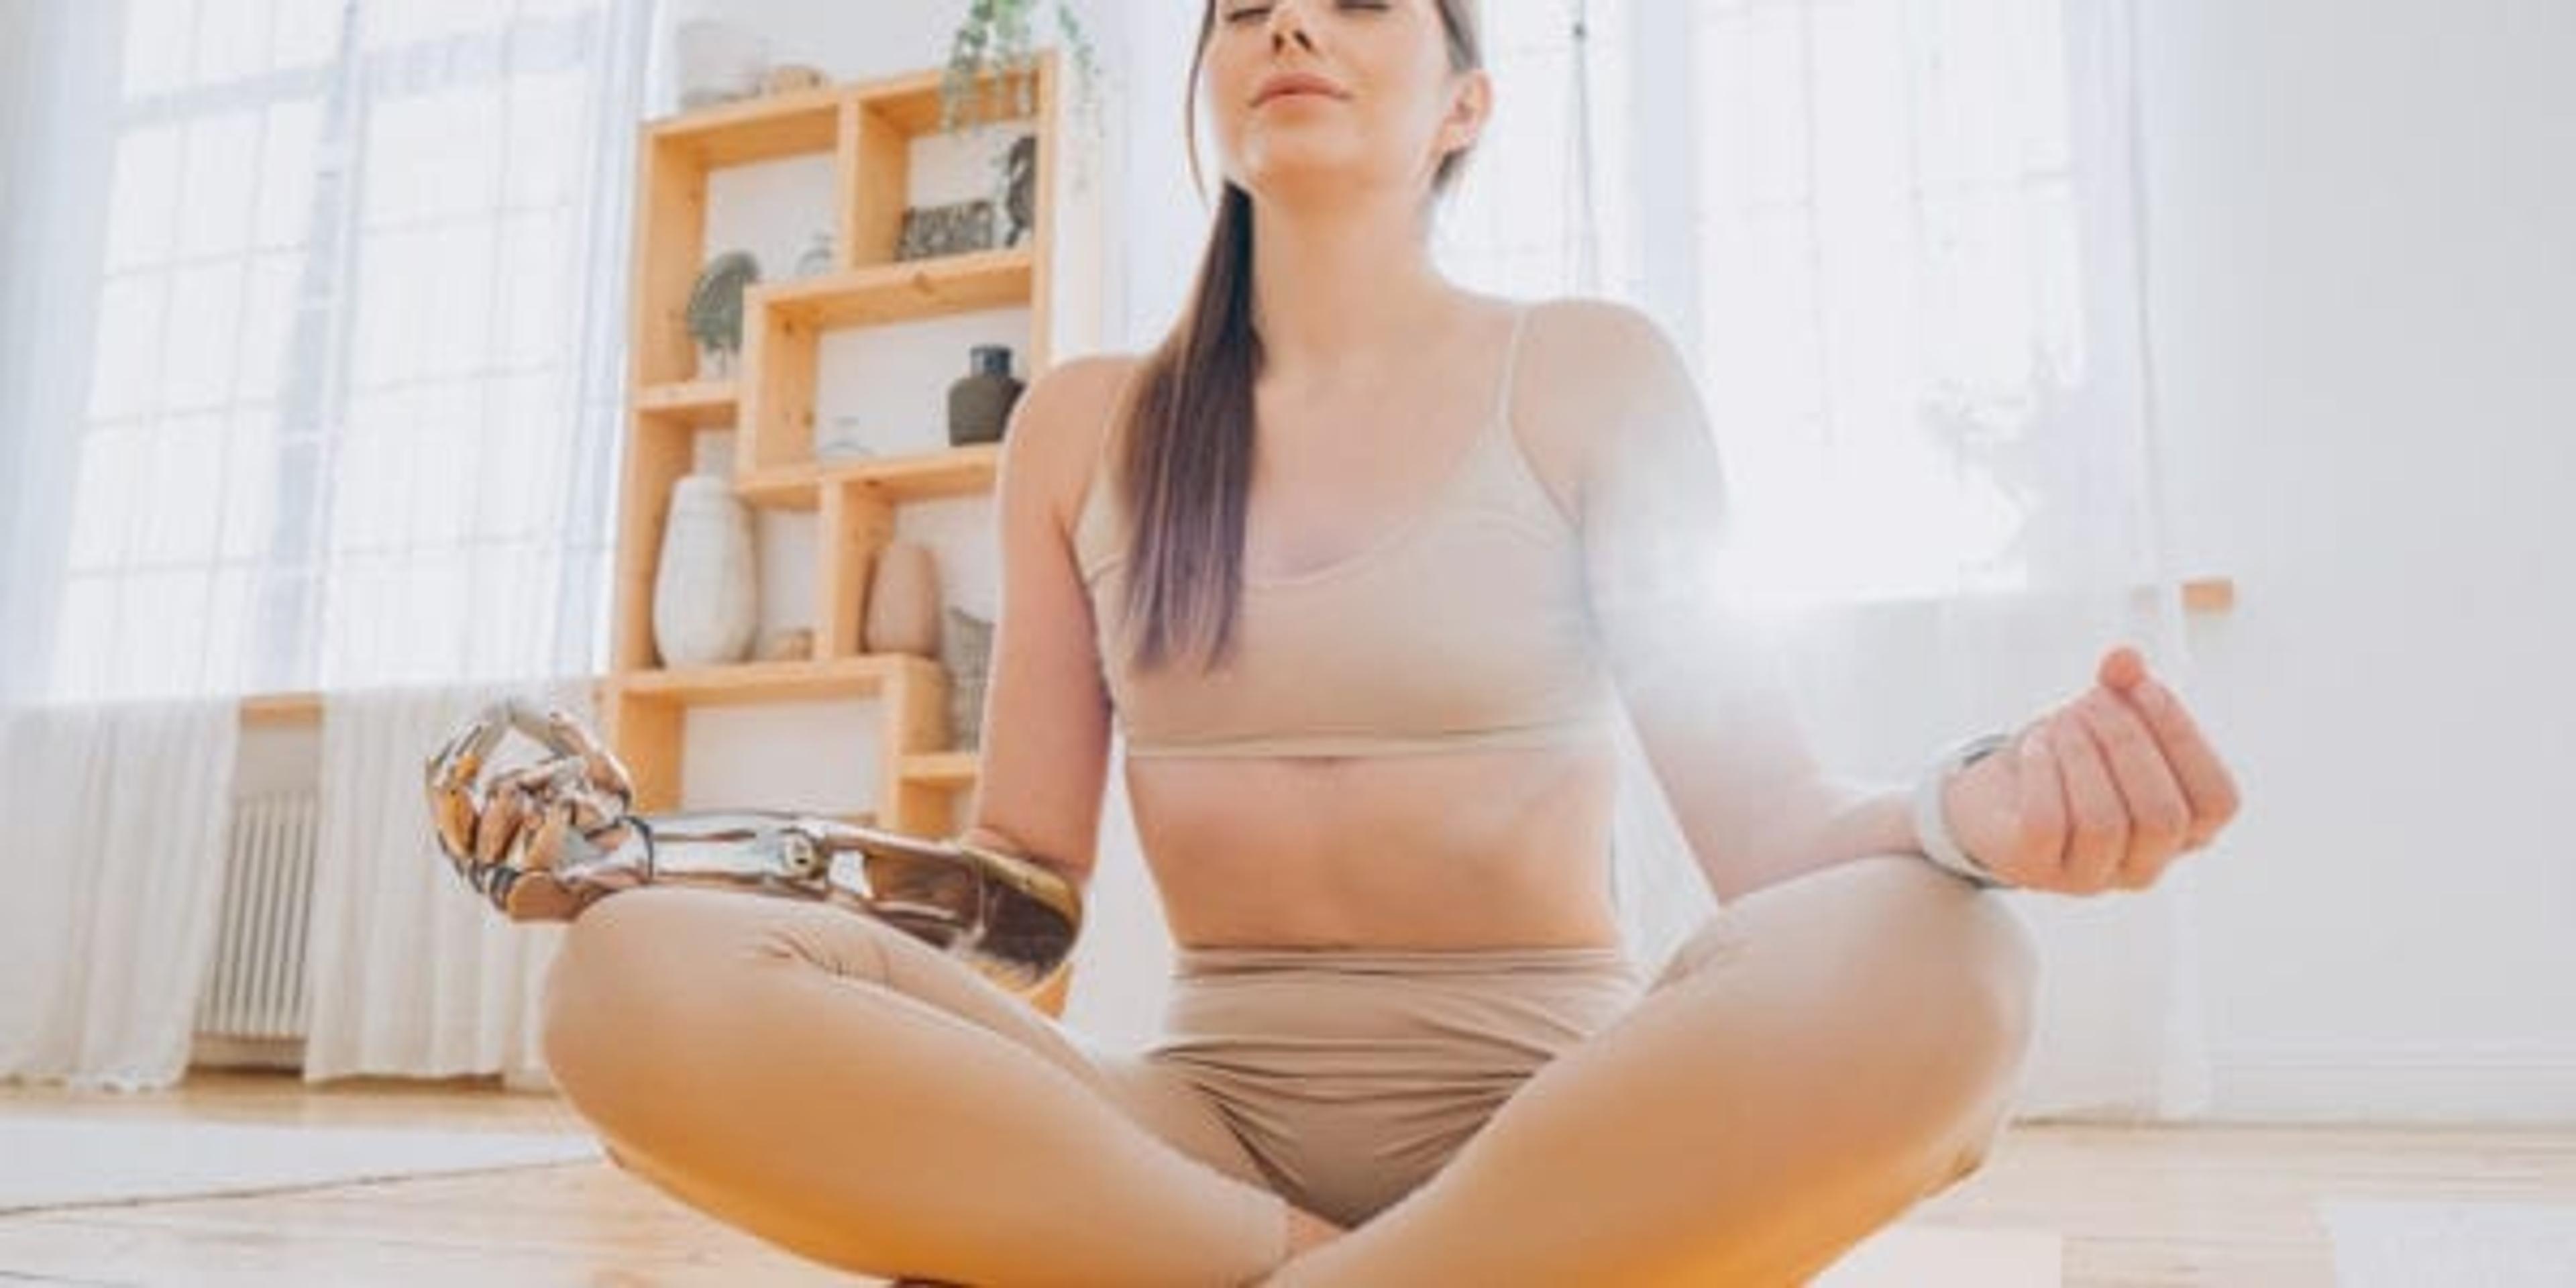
point(545, 841)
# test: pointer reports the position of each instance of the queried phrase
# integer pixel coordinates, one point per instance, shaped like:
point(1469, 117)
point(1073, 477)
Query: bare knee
point(1948, 1011)
point(1968, 959)
point(646, 1002)
point(582, 988)
point(614, 1016)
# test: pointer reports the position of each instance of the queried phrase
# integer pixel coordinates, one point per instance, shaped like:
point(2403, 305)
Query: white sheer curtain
point(322, 373)
point(1897, 239)
point(113, 863)
point(409, 972)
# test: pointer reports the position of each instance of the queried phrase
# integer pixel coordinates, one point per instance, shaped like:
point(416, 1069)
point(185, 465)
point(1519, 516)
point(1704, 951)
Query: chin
point(1289, 170)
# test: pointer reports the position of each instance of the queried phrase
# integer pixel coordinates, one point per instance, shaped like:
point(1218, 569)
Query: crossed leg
point(1818, 1057)
point(844, 1090)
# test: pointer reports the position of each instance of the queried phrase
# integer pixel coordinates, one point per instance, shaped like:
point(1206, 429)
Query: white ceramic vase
point(705, 591)
point(717, 62)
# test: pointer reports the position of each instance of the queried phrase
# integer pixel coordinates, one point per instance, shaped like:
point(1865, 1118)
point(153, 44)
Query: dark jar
point(979, 404)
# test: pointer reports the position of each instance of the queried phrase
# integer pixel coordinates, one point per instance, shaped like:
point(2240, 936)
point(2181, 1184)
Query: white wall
point(2362, 240)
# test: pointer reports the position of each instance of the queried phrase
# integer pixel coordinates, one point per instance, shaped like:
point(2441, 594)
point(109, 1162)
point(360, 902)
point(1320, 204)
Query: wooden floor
point(2137, 1206)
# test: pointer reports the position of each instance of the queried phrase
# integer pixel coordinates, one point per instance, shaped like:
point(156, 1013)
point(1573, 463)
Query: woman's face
point(1389, 109)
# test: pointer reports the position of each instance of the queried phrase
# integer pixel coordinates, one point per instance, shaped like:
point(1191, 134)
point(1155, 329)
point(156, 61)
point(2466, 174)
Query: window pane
point(536, 314)
point(1758, 311)
point(232, 40)
point(227, 631)
point(82, 636)
point(158, 36)
point(162, 621)
point(222, 161)
point(1751, 100)
point(456, 333)
point(524, 448)
point(126, 366)
point(204, 334)
point(182, 491)
point(287, 158)
point(433, 156)
point(250, 484)
point(394, 281)
point(437, 497)
point(307, 32)
point(142, 218)
point(548, 118)
point(268, 321)
point(400, 22)
point(111, 459)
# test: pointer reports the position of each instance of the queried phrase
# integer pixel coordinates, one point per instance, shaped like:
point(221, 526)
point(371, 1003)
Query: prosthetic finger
point(496, 828)
point(543, 850)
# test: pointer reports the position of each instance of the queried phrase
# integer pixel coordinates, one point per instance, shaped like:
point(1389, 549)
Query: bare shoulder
point(1058, 425)
point(1594, 372)
point(1594, 349)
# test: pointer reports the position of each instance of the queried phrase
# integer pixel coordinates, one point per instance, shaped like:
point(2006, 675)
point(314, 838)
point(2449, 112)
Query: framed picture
point(955, 229)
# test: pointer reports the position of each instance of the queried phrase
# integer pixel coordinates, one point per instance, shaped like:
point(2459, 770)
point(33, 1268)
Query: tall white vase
point(705, 591)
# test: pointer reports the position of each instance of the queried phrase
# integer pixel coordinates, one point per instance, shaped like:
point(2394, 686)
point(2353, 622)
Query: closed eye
point(1252, 11)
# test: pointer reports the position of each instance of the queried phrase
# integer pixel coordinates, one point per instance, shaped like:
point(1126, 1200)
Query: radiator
point(256, 986)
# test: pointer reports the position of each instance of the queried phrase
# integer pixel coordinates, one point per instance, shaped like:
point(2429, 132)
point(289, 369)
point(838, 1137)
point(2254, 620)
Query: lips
point(1295, 83)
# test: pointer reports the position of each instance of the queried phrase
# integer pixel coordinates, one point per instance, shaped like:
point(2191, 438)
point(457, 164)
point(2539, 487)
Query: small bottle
point(979, 404)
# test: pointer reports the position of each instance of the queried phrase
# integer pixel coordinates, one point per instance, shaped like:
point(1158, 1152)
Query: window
point(355, 366)
point(1886, 249)
point(1862, 221)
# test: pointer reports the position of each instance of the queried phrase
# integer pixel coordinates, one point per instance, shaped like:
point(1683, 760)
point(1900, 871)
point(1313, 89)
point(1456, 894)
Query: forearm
point(987, 836)
point(1832, 820)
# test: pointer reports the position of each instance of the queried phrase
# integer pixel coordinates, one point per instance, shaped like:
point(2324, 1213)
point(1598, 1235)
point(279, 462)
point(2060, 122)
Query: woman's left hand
point(2101, 792)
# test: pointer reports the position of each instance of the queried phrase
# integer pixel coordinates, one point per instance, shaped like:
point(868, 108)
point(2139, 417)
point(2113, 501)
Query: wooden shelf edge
point(942, 768)
point(951, 471)
point(910, 100)
point(903, 290)
point(744, 682)
point(281, 710)
point(692, 402)
point(797, 123)
point(2209, 595)
point(303, 709)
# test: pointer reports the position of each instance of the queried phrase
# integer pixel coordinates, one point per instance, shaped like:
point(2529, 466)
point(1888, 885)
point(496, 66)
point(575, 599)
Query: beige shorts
point(1352, 1075)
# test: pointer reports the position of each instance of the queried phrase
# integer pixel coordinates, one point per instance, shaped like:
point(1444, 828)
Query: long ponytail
point(1186, 467)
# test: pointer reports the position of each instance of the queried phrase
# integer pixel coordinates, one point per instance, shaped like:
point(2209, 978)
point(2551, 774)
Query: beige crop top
point(1466, 627)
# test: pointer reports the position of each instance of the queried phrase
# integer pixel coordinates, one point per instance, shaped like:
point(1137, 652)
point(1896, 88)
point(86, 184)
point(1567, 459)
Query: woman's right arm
point(1046, 718)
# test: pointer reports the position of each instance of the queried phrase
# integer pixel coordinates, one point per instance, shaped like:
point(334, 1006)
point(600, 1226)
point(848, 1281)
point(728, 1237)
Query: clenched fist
point(2100, 792)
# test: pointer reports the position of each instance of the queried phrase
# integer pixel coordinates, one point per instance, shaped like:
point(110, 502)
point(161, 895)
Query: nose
point(1287, 20)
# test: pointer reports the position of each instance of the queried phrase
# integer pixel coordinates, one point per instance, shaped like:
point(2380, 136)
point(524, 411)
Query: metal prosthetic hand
point(542, 842)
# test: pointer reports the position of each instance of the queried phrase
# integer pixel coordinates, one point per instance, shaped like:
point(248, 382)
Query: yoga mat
point(55, 1161)
point(2386, 1243)
point(1940, 1256)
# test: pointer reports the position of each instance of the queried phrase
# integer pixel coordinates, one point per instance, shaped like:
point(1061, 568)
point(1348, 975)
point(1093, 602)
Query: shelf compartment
point(647, 716)
point(951, 472)
point(784, 323)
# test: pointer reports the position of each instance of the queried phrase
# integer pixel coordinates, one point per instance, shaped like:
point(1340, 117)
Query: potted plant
point(992, 40)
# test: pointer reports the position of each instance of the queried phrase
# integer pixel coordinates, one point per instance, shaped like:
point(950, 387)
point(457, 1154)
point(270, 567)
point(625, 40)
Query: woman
point(1364, 564)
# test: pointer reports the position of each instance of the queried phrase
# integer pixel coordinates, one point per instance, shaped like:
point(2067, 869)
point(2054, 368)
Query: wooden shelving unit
point(867, 129)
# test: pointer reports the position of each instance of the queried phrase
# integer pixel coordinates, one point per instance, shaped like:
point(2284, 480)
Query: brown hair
point(1187, 463)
